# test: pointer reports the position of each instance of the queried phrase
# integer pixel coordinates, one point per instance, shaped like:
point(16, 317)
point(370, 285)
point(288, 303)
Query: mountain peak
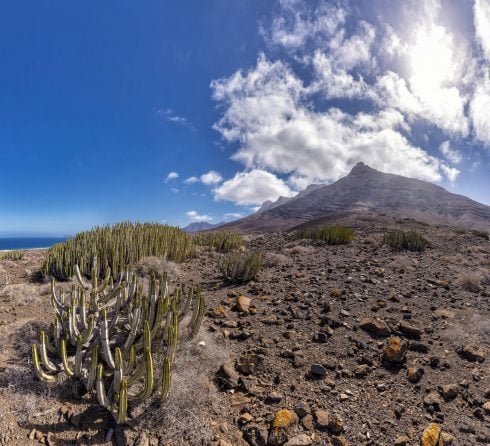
point(360, 167)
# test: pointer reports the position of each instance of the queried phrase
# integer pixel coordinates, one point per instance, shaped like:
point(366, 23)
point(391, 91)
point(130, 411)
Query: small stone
point(375, 327)
point(273, 398)
point(361, 371)
point(395, 350)
point(243, 304)
point(307, 422)
point(486, 407)
point(32, 434)
point(51, 439)
point(433, 399)
point(473, 353)
point(340, 441)
point(336, 424)
point(449, 391)
point(410, 331)
point(245, 418)
point(76, 419)
point(402, 440)
point(143, 440)
point(38, 435)
point(318, 371)
point(299, 440)
point(302, 409)
point(414, 374)
point(446, 439)
point(284, 422)
point(227, 377)
point(322, 418)
point(430, 436)
point(255, 435)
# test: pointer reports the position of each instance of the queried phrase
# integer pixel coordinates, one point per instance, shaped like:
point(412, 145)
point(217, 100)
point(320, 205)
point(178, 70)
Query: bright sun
point(431, 59)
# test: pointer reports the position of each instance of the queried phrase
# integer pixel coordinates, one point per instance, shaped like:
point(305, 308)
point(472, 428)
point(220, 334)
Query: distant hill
point(368, 190)
point(201, 226)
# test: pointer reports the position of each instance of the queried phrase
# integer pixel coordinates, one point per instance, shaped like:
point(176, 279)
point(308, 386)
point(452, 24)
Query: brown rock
point(336, 424)
point(473, 353)
point(446, 439)
point(486, 407)
point(227, 377)
point(449, 391)
point(414, 374)
point(340, 441)
point(243, 304)
point(402, 440)
point(307, 422)
point(283, 424)
point(395, 350)
point(299, 440)
point(375, 327)
point(322, 418)
point(410, 331)
point(431, 435)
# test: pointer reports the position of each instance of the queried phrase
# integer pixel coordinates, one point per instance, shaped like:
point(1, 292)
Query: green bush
point(222, 241)
point(399, 240)
point(117, 247)
point(240, 267)
point(333, 235)
point(12, 255)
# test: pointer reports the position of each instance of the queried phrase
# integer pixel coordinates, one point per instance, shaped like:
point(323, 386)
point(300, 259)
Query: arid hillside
point(330, 345)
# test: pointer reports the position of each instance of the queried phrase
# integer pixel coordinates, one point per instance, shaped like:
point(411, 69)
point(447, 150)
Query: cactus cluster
point(240, 267)
point(222, 241)
point(399, 240)
point(332, 235)
point(12, 255)
point(117, 247)
point(109, 337)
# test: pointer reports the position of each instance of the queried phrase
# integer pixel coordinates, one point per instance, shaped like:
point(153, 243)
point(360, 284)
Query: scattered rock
point(449, 391)
point(395, 350)
point(414, 374)
point(402, 440)
point(299, 440)
point(375, 327)
point(322, 418)
point(243, 304)
point(473, 353)
point(227, 378)
point(431, 435)
point(318, 371)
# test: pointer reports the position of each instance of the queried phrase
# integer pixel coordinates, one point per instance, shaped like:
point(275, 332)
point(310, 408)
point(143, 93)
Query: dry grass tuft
point(21, 294)
point(272, 259)
point(471, 282)
point(185, 418)
point(158, 266)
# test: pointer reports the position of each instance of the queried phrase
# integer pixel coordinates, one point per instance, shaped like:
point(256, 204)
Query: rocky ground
point(330, 345)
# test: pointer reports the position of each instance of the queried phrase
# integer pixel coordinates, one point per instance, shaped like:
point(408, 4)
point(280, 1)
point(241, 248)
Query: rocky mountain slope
point(366, 190)
point(201, 226)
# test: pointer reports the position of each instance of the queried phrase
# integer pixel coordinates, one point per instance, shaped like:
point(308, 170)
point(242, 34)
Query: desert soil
point(310, 340)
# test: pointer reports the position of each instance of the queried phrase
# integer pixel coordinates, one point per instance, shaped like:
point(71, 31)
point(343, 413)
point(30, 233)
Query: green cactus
point(105, 341)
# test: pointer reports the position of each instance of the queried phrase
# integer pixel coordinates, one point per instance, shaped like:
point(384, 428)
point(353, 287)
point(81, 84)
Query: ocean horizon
point(14, 243)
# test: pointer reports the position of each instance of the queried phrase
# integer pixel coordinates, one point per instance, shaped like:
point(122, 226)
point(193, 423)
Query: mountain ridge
point(365, 189)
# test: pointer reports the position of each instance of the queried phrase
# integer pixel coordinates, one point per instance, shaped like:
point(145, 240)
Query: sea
point(7, 244)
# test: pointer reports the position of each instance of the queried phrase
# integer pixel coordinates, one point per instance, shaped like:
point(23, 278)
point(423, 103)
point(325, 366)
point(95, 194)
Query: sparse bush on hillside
point(399, 240)
point(481, 234)
point(222, 241)
point(117, 247)
point(333, 235)
point(471, 282)
point(12, 255)
point(240, 267)
point(157, 266)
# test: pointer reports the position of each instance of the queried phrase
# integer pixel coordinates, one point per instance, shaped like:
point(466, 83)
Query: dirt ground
point(310, 340)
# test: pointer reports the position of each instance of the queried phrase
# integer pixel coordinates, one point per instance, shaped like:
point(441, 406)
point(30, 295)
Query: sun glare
point(431, 59)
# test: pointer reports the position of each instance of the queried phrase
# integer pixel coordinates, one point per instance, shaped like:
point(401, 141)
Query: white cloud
point(479, 109)
point(191, 180)
point(175, 190)
point(481, 12)
point(450, 172)
point(193, 216)
point(254, 187)
point(451, 154)
point(268, 114)
point(212, 177)
point(171, 176)
point(170, 116)
point(232, 215)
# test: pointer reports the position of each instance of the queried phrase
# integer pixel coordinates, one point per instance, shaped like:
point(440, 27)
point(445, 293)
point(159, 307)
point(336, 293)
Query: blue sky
point(201, 110)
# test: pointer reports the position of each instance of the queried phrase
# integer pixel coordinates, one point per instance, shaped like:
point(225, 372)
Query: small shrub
point(470, 282)
point(333, 235)
point(12, 255)
point(240, 267)
point(272, 259)
point(481, 234)
point(399, 240)
point(222, 241)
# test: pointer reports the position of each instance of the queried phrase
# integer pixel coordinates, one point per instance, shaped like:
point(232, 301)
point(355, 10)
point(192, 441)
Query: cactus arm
point(123, 403)
point(64, 359)
point(55, 301)
point(89, 332)
point(102, 288)
point(132, 359)
point(79, 357)
point(80, 279)
point(134, 330)
point(44, 354)
point(100, 390)
point(149, 375)
point(166, 377)
point(104, 340)
point(118, 372)
point(57, 328)
point(93, 368)
point(43, 376)
point(83, 310)
point(197, 321)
